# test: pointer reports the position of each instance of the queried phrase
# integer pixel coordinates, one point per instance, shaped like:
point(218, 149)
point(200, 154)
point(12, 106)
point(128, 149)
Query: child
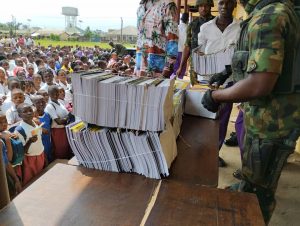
point(17, 97)
point(43, 117)
point(37, 81)
point(34, 158)
point(3, 82)
point(59, 115)
point(45, 94)
point(48, 79)
point(5, 142)
point(14, 183)
point(26, 87)
point(62, 81)
point(13, 83)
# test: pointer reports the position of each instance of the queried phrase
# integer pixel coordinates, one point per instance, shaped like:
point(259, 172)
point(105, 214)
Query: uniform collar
point(250, 6)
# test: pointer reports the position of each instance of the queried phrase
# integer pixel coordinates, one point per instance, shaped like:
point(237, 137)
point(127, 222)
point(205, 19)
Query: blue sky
point(98, 14)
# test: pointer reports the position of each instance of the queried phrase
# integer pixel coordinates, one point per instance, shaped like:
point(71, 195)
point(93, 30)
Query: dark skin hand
point(243, 90)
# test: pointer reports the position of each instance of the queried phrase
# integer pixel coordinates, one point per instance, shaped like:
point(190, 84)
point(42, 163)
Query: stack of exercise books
point(209, 64)
point(180, 88)
point(125, 123)
point(136, 103)
point(146, 153)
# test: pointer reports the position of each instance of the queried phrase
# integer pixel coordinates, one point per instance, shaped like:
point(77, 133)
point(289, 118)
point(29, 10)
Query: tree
point(88, 33)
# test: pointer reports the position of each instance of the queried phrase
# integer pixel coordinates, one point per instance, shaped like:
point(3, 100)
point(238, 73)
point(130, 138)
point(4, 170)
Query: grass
point(47, 42)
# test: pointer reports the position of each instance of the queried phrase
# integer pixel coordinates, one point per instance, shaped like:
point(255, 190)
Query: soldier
point(204, 8)
point(263, 70)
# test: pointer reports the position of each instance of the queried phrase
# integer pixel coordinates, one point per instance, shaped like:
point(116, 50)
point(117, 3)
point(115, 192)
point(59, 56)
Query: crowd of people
point(36, 100)
point(36, 90)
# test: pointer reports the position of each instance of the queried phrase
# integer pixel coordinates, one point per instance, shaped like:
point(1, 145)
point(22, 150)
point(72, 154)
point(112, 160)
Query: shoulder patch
point(251, 66)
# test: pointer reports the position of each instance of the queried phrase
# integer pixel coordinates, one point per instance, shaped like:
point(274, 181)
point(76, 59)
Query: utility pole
point(121, 29)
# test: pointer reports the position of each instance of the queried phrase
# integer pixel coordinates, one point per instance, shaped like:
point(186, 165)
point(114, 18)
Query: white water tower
point(70, 14)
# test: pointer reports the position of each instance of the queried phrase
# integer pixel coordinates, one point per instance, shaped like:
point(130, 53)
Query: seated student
point(60, 116)
point(13, 182)
point(48, 79)
point(43, 117)
point(34, 159)
point(17, 97)
point(37, 81)
point(45, 94)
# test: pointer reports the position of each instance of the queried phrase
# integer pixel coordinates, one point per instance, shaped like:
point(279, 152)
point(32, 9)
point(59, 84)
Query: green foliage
point(47, 42)
point(54, 37)
point(88, 34)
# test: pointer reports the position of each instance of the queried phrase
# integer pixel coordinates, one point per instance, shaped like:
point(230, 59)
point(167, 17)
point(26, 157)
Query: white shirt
point(67, 88)
point(44, 87)
point(27, 99)
point(12, 115)
point(211, 39)
point(181, 36)
point(35, 148)
point(56, 111)
point(3, 89)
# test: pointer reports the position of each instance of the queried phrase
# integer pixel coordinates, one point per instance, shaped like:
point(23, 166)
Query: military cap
point(202, 2)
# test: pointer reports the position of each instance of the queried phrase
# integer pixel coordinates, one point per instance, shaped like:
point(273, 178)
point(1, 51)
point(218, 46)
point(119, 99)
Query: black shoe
point(222, 163)
point(232, 141)
point(238, 174)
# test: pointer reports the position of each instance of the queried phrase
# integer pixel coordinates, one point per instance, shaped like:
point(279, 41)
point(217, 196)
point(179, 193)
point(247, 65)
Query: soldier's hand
point(209, 103)
point(219, 78)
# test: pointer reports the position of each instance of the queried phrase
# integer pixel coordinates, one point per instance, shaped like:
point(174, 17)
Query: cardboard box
point(193, 105)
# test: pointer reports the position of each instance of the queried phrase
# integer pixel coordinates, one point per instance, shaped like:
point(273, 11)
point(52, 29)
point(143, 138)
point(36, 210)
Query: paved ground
point(287, 212)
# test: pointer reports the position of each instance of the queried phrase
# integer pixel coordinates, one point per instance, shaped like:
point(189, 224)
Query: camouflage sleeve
point(266, 43)
point(188, 41)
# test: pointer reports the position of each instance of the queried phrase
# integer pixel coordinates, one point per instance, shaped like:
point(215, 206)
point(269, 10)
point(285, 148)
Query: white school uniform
point(56, 111)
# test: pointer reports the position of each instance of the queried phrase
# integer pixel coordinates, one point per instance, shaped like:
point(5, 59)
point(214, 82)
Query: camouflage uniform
point(192, 36)
point(119, 49)
point(269, 120)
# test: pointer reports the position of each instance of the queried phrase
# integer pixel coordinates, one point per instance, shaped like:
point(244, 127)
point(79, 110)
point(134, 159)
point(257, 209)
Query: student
point(34, 159)
point(48, 79)
point(3, 82)
point(17, 98)
point(29, 71)
point(59, 115)
point(14, 183)
point(62, 81)
point(45, 94)
point(13, 180)
point(26, 87)
point(37, 81)
point(43, 117)
point(65, 65)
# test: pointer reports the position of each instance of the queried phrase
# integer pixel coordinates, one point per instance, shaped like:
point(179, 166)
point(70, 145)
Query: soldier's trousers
point(262, 163)
point(240, 131)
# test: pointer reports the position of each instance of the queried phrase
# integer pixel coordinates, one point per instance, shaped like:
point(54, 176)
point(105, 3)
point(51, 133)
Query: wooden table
point(184, 204)
point(70, 195)
point(197, 147)
point(197, 159)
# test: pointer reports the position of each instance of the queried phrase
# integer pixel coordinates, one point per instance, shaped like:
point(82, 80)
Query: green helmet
point(208, 2)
